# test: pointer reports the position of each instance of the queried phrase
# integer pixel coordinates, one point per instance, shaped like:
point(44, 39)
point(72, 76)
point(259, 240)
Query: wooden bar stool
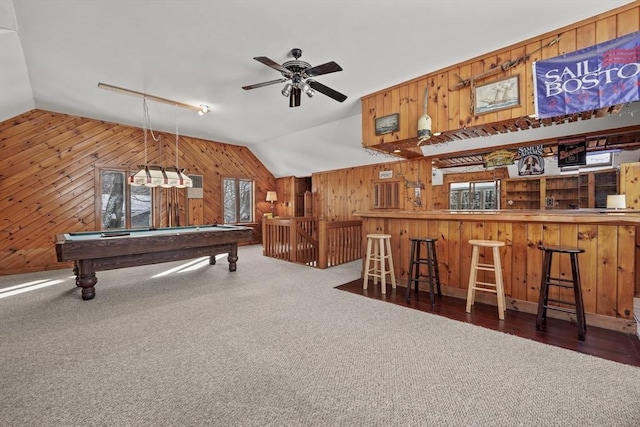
point(416, 261)
point(379, 251)
point(573, 282)
point(497, 287)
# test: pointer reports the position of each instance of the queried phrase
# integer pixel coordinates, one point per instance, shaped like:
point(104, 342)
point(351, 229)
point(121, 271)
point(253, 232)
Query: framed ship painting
point(497, 95)
point(388, 124)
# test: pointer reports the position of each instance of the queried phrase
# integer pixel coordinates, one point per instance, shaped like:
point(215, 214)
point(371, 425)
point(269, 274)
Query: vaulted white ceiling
point(54, 53)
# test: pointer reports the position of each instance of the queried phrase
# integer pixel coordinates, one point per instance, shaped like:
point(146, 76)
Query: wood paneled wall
point(450, 108)
point(630, 186)
point(290, 192)
point(47, 180)
point(341, 192)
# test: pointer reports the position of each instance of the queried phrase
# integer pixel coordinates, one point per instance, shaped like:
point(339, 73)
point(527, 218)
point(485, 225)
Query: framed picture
point(496, 95)
point(388, 124)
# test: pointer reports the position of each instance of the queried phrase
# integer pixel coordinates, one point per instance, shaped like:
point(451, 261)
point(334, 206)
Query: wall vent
point(195, 192)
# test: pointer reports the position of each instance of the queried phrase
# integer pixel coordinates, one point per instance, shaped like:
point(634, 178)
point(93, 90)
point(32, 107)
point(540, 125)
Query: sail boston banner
point(596, 77)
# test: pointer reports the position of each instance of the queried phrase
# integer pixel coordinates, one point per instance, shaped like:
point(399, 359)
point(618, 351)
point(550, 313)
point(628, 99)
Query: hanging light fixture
point(148, 176)
point(174, 176)
point(154, 175)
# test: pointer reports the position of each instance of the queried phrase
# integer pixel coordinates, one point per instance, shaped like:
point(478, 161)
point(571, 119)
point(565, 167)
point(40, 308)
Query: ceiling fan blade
point(271, 63)
point(329, 67)
point(257, 85)
point(326, 90)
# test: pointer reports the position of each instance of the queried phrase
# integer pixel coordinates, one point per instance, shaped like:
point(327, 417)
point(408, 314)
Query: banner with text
point(589, 79)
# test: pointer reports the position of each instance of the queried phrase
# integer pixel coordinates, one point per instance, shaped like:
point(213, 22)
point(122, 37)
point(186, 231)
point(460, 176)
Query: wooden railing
point(312, 242)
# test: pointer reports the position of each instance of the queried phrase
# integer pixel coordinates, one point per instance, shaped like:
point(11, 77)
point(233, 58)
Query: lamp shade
point(153, 176)
point(272, 196)
point(616, 201)
point(148, 176)
point(176, 178)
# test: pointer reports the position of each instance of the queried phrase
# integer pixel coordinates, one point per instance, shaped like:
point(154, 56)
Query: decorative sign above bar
point(572, 152)
point(531, 161)
point(499, 158)
point(385, 174)
point(599, 76)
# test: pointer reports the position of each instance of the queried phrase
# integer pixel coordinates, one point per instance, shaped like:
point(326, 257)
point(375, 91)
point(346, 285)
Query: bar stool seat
point(415, 263)
point(496, 268)
point(379, 252)
point(561, 282)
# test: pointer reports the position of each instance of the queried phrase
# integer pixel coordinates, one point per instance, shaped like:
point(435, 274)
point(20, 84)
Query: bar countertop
point(575, 216)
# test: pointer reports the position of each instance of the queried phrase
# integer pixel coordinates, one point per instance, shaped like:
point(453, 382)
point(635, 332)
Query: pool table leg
point(86, 278)
point(233, 257)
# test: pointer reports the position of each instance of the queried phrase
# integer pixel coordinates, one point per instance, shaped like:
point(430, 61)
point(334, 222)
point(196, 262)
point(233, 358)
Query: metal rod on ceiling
point(148, 96)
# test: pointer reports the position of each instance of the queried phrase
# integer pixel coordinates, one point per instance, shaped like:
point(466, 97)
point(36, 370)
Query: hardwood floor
point(604, 343)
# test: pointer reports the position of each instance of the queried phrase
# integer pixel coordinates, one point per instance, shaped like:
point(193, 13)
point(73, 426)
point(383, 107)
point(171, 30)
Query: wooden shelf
point(586, 190)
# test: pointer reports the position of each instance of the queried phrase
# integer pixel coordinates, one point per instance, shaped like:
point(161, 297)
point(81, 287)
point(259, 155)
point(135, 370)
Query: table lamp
point(272, 197)
point(616, 201)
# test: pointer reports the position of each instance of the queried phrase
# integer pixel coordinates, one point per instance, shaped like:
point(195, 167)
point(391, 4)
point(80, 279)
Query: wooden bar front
point(607, 268)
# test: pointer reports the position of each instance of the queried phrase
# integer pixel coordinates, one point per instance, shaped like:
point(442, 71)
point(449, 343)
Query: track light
point(286, 91)
point(204, 109)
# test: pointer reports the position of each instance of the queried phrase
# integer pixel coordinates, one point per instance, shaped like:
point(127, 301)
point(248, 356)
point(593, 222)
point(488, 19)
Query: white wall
point(15, 88)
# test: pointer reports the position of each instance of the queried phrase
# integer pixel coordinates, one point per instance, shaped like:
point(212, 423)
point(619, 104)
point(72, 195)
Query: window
point(238, 200)
point(120, 205)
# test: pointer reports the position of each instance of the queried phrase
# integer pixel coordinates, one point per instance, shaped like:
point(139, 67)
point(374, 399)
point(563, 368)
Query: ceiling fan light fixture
point(294, 99)
point(304, 86)
point(286, 90)
point(299, 74)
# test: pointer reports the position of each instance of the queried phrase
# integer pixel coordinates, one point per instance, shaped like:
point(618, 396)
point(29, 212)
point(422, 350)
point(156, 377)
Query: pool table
point(106, 250)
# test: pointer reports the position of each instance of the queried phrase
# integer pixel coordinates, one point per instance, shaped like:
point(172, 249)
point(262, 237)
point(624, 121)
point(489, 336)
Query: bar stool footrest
point(562, 285)
point(556, 308)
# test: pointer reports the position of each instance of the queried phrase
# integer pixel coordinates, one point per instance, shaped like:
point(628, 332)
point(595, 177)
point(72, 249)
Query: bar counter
point(608, 268)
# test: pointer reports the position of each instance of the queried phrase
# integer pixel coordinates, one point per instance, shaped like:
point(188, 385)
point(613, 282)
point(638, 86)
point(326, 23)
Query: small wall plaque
point(388, 124)
point(385, 174)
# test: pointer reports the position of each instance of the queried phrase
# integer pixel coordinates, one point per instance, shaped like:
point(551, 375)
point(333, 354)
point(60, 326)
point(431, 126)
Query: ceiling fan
point(299, 74)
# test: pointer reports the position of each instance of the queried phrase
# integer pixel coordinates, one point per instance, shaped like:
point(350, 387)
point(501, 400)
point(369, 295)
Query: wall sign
point(499, 158)
point(385, 174)
point(572, 152)
point(531, 161)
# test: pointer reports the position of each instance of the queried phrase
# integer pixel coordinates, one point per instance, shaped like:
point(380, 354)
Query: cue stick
point(176, 206)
